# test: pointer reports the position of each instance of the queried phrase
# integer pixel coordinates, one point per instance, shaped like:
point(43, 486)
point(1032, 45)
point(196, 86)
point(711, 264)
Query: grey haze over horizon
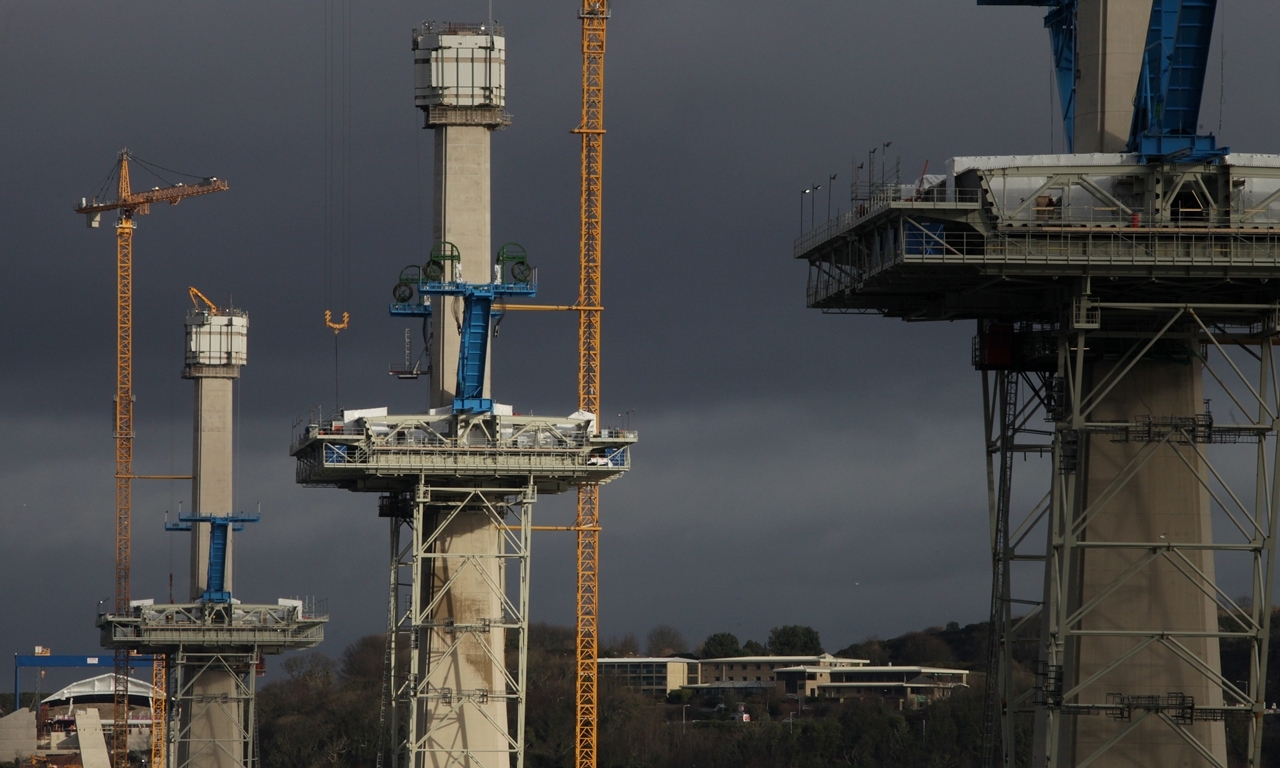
point(793, 467)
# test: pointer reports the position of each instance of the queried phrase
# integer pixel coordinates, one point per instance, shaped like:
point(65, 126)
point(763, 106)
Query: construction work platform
point(392, 453)
point(271, 629)
point(217, 650)
point(1002, 236)
point(1114, 300)
point(458, 489)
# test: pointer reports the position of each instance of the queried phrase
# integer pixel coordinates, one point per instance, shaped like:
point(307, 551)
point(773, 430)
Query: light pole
point(871, 170)
point(682, 709)
point(830, 179)
point(813, 204)
point(802, 194)
point(884, 161)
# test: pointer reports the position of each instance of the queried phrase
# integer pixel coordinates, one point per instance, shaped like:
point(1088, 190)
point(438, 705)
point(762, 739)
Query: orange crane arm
point(171, 195)
point(130, 204)
point(197, 297)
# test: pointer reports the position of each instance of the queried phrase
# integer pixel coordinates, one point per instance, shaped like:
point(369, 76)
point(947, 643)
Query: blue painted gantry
point(441, 276)
point(220, 528)
point(1166, 107)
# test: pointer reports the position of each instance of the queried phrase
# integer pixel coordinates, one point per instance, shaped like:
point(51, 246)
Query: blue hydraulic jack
point(220, 528)
point(441, 276)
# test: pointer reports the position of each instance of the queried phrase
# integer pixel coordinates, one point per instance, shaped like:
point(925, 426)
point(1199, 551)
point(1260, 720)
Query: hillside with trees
point(326, 712)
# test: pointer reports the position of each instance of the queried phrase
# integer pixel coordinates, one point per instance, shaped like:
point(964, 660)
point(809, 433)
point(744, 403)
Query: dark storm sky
point(793, 467)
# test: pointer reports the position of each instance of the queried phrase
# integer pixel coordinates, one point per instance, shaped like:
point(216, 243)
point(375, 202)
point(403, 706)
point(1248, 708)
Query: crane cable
point(337, 169)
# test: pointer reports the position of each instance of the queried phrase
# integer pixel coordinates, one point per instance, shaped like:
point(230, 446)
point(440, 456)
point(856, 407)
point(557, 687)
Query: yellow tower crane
point(130, 204)
point(595, 17)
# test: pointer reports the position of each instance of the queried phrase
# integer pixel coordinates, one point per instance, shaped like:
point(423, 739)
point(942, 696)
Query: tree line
point(326, 712)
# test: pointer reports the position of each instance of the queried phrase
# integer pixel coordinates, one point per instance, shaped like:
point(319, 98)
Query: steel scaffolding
point(446, 481)
point(434, 708)
point(1015, 403)
point(415, 708)
point(1110, 296)
point(195, 738)
point(226, 640)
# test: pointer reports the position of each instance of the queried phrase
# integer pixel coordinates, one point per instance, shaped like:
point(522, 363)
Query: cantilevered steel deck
point(270, 629)
point(394, 453)
point(1007, 236)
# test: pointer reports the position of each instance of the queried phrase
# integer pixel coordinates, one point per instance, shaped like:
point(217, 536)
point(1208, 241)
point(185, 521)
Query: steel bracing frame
point(1219, 338)
point(194, 709)
point(391, 734)
point(419, 715)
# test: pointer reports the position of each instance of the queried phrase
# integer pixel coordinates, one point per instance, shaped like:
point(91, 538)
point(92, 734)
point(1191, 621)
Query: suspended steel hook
point(328, 321)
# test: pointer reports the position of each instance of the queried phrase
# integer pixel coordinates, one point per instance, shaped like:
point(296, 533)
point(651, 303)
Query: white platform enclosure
point(460, 73)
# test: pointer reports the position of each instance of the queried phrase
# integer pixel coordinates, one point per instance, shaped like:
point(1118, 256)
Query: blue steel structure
point(29, 660)
point(220, 528)
point(440, 276)
point(1168, 92)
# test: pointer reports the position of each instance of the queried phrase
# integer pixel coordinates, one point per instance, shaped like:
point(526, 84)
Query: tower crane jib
point(129, 204)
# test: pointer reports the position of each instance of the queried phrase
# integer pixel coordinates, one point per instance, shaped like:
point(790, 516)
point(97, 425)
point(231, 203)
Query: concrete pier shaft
point(1163, 502)
point(216, 349)
point(460, 649)
point(211, 471)
point(1111, 36)
point(460, 85)
point(461, 216)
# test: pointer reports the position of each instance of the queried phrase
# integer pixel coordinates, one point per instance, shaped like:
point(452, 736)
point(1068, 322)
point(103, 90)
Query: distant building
point(52, 729)
point(761, 668)
point(653, 676)
point(824, 676)
point(899, 687)
point(756, 675)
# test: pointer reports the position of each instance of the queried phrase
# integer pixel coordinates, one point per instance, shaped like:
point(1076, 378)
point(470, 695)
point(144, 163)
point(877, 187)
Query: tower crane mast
point(129, 204)
point(595, 18)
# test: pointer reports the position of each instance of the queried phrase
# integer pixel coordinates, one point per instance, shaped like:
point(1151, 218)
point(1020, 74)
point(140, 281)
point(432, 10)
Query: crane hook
point(328, 321)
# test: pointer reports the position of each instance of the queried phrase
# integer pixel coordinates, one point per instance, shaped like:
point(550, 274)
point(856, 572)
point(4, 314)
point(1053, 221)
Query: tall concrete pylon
point(217, 347)
point(460, 85)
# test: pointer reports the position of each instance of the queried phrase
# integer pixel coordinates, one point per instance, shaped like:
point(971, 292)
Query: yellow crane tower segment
point(129, 204)
point(595, 17)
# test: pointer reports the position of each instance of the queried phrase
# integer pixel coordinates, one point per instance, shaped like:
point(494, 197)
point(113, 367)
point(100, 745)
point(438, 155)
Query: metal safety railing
point(917, 243)
point(421, 436)
point(881, 199)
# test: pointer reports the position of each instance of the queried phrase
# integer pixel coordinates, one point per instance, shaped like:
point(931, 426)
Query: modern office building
point(652, 676)
point(898, 687)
